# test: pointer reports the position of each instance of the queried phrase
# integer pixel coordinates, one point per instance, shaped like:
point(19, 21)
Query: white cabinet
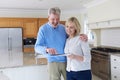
point(105, 24)
point(115, 67)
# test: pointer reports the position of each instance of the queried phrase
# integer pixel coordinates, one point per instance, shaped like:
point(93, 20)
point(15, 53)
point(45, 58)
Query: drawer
point(27, 50)
point(115, 76)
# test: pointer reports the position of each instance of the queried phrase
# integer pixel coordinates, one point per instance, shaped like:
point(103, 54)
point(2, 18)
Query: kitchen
point(102, 18)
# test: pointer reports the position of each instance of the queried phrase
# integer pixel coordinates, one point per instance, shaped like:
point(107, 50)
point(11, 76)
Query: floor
point(95, 78)
point(29, 59)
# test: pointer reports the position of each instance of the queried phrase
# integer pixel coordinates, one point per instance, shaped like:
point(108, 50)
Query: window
point(86, 29)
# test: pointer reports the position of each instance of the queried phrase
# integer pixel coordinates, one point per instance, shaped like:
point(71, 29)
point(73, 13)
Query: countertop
point(29, 60)
point(117, 54)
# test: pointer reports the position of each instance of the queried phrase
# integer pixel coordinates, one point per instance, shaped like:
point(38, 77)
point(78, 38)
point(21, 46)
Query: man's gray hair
point(54, 10)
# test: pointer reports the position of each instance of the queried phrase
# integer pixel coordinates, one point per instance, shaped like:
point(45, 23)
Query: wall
point(106, 11)
point(110, 37)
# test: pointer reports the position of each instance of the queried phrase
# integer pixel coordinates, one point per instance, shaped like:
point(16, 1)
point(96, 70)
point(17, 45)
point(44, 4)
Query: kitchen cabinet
point(115, 23)
point(11, 47)
point(62, 22)
point(42, 21)
point(115, 67)
point(29, 50)
point(11, 22)
point(30, 28)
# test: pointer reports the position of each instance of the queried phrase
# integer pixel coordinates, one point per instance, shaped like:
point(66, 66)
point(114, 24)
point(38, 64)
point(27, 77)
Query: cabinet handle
point(8, 44)
point(115, 76)
point(115, 67)
point(1, 71)
point(114, 59)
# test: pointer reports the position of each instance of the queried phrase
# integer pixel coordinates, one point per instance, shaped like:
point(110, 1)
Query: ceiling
point(36, 5)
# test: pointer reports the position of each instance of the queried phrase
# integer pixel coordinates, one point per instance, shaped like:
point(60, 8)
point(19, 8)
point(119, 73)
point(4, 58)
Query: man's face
point(54, 19)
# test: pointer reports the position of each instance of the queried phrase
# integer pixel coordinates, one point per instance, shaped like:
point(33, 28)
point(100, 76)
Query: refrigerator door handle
point(8, 44)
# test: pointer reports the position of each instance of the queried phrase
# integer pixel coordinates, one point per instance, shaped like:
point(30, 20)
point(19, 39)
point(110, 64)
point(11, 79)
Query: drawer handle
point(115, 67)
point(114, 59)
point(115, 76)
point(1, 71)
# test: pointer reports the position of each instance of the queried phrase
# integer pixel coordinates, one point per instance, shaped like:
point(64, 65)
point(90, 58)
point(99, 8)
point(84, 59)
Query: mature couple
point(54, 38)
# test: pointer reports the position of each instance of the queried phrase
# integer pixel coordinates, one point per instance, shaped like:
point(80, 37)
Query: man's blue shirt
point(49, 37)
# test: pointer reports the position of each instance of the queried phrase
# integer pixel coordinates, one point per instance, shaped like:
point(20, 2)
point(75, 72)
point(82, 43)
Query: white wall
point(106, 11)
point(110, 37)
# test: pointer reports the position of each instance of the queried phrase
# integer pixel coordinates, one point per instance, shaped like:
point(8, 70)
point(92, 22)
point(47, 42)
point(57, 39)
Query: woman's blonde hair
point(77, 24)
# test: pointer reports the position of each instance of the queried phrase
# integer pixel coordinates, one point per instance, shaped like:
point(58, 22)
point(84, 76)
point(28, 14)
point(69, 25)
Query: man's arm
point(40, 46)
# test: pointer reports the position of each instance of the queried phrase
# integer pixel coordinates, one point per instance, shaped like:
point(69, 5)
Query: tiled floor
point(29, 59)
point(95, 78)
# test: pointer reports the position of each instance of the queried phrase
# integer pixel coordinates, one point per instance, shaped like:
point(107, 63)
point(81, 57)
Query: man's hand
point(84, 37)
point(51, 51)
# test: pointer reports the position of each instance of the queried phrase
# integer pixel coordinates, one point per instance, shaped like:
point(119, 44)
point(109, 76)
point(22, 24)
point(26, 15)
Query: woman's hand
point(71, 56)
point(76, 57)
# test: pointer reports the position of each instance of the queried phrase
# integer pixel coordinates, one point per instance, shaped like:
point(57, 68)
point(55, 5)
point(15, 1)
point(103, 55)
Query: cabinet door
point(4, 55)
point(42, 21)
point(115, 67)
point(62, 22)
point(16, 55)
point(29, 50)
point(30, 28)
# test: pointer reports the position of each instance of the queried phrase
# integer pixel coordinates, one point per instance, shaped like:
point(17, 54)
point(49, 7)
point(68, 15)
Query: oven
point(100, 63)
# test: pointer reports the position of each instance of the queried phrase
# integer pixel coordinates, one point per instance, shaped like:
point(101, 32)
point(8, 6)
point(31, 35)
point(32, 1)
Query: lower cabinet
point(115, 67)
point(29, 50)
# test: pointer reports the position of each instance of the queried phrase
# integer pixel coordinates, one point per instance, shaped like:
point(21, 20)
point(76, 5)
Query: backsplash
point(110, 37)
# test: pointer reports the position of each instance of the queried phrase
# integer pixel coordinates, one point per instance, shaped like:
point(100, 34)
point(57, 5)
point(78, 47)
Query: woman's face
point(70, 29)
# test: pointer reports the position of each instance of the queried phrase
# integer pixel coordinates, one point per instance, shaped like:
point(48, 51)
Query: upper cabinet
point(105, 24)
point(45, 20)
point(30, 27)
point(62, 22)
point(105, 15)
point(11, 22)
point(42, 21)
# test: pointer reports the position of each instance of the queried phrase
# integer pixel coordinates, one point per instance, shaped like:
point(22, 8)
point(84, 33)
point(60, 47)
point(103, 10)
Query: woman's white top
point(76, 46)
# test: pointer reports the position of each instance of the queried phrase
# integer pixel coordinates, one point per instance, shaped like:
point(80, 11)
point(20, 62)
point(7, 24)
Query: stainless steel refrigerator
point(11, 53)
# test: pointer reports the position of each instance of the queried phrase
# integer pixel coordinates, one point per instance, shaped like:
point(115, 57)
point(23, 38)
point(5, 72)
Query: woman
point(78, 53)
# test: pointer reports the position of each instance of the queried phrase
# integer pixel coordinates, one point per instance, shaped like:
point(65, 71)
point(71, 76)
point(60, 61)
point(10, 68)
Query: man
point(51, 41)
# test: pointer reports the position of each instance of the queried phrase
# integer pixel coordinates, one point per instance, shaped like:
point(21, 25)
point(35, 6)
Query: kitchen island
point(28, 71)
